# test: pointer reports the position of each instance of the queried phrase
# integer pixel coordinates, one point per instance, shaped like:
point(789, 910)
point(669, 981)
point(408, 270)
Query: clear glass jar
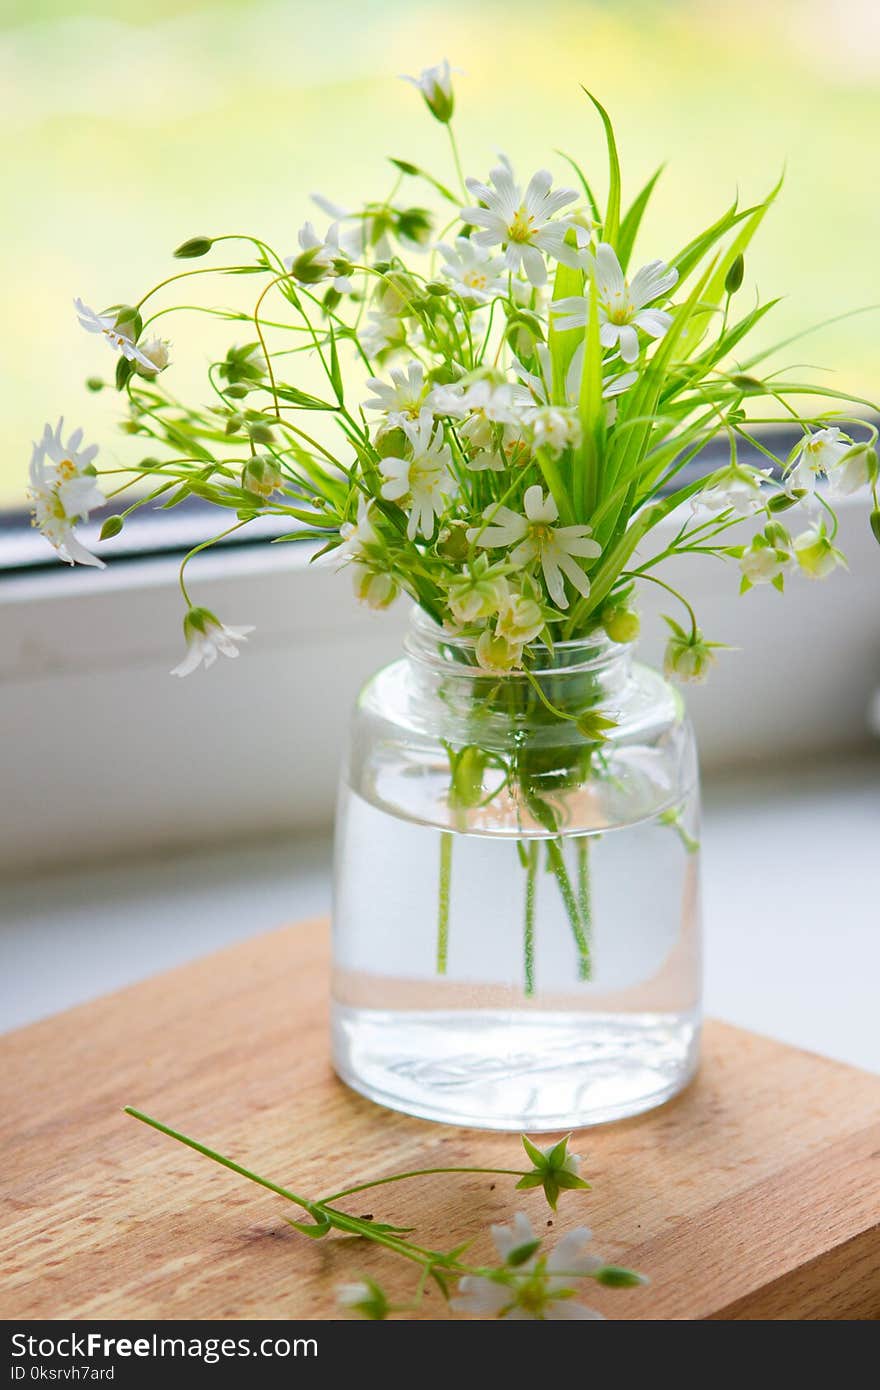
point(516, 926)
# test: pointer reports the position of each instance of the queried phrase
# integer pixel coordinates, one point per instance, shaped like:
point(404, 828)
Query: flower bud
point(875, 524)
point(815, 554)
point(688, 655)
point(453, 543)
point(781, 501)
point(620, 623)
point(734, 277)
point(310, 267)
point(615, 1277)
point(435, 85)
point(196, 246)
point(261, 475)
point(415, 224)
point(373, 588)
point(112, 526)
point(95, 383)
point(496, 655)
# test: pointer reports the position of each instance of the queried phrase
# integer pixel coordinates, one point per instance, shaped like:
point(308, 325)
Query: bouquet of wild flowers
point(506, 415)
point(506, 409)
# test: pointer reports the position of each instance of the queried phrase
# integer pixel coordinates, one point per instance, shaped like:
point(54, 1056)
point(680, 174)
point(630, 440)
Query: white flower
point(474, 594)
point(63, 490)
point(815, 554)
point(381, 331)
point(762, 563)
point(475, 272)
point(487, 407)
point(350, 1295)
point(857, 468)
point(535, 537)
point(737, 489)
point(611, 385)
point(376, 588)
point(520, 619)
point(622, 303)
point(554, 427)
point(117, 335)
point(157, 353)
point(205, 637)
point(522, 223)
point(403, 399)
point(358, 537)
point(435, 85)
point(525, 1290)
point(321, 259)
point(819, 453)
point(421, 483)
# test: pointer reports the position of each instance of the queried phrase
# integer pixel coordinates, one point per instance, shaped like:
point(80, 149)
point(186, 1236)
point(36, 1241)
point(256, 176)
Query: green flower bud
point(616, 1277)
point(112, 526)
point(237, 391)
point(95, 383)
point(749, 385)
point(734, 277)
point(781, 501)
point(875, 524)
point(391, 444)
point(196, 246)
point(620, 623)
point(453, 543)
point(261, 475)
point(124, 373)
point(415, 224)
point(435, 85)
point(310, 267)
point(404, 166)
point(259, 432)
point(438, 289)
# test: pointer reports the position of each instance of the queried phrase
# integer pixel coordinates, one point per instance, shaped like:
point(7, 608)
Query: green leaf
point(591, 408)
point(582, 179)
point(611, 225)
point(314, 1232)
point(414, 172)
point(629, 227)
point(335, 372)
point(558, 1154)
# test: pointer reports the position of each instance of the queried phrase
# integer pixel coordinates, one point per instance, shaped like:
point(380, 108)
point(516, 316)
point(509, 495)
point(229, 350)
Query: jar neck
point(589, 670)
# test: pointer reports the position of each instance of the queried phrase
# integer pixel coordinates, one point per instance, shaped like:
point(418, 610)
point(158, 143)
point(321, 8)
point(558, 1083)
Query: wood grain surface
point(755, 1195)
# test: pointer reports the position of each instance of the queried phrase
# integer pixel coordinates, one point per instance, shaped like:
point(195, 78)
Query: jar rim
point(427, 638)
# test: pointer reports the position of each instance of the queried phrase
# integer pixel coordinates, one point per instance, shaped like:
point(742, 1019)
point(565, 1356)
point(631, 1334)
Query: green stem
point(218, 1158)
point(415, 1173)
point(529, 929)
point(443, 901)
point(582, 846)
point(557, 864)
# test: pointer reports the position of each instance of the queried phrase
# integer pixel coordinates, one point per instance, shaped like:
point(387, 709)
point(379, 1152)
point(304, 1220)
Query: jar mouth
point(455, 654)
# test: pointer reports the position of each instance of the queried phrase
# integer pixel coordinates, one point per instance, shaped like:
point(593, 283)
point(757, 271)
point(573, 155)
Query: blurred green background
point(130, 127)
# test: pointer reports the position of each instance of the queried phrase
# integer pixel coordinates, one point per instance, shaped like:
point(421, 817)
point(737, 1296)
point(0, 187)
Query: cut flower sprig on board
point(503, 382)
point(527, 1281)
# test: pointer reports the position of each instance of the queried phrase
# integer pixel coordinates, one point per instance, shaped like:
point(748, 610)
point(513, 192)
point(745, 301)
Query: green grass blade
point(582, 179)
point(611, 225)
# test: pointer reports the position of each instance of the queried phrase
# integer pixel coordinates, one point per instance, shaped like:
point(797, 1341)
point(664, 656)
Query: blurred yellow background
point(128, 128)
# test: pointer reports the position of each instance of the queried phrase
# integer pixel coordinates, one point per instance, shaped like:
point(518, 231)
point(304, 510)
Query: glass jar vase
point(516, 925)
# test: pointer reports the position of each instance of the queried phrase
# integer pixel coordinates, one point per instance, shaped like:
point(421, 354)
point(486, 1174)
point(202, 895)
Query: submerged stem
point(529, 928)
point(557, 864)
point(585, 897)
point(443, 901)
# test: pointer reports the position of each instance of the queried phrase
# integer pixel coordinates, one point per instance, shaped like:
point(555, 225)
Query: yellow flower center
point(522, 226)
point(67, 469)
point(541, 533)
point(618, 306)
point(476, 279)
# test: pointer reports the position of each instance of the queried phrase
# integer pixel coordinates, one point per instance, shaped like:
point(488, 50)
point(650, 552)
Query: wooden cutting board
point(755, 1195)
